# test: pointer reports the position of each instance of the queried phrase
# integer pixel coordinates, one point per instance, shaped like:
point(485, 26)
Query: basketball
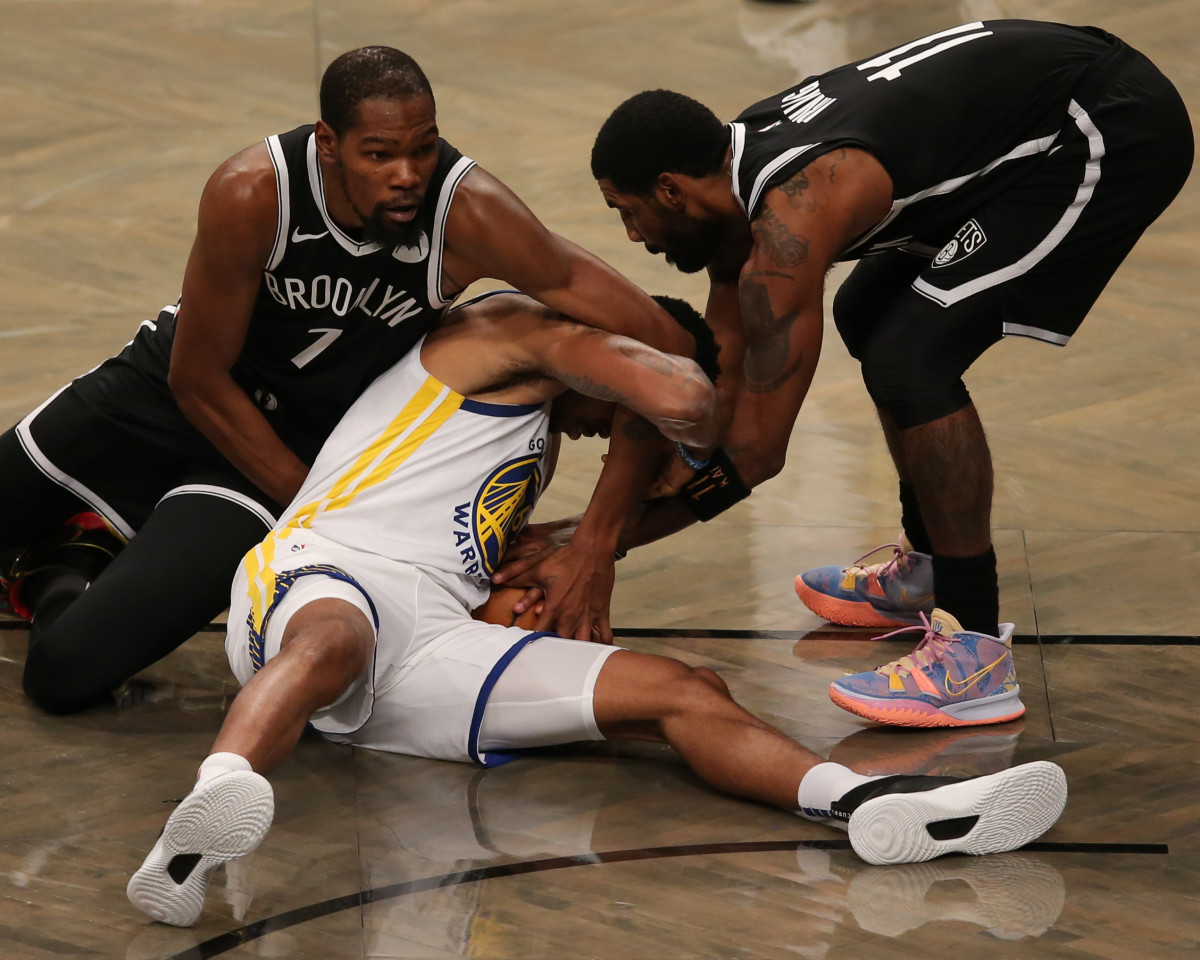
point(498, 609)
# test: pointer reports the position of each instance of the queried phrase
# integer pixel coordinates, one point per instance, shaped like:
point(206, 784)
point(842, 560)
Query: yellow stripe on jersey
point(260, 578)
point(430, 407)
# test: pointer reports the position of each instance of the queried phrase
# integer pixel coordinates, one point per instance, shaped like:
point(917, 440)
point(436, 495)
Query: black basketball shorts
point(1032, 260)
point(123, 474)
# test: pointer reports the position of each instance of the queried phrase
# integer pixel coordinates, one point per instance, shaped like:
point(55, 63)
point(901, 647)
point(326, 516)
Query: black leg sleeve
point(171, 580)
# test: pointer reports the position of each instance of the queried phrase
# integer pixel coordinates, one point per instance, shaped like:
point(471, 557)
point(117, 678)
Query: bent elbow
point(760, 465)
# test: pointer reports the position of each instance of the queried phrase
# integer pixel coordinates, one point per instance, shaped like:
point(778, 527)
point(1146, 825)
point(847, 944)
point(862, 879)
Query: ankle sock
point(968, 589)
point(216, 764)
point(823, 784)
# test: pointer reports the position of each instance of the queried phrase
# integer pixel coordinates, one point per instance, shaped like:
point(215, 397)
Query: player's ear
point(327, 140)
point(669, 191)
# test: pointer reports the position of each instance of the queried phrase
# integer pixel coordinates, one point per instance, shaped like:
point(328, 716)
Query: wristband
point(715, 489)
point(686, 454)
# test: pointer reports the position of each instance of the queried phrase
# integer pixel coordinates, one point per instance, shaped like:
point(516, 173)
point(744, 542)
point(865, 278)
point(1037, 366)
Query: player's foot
point(911, 819)
point(222, 820)
point(892, 593)
point(954, 678)
point(70, 559)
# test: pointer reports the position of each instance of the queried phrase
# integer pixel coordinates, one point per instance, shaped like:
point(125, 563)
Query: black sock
point(911, 519)
point(967, 588)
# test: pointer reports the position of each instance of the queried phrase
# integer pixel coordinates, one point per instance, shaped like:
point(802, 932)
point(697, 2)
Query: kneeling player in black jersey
point(353, 614)
point(992, 177)
point(321, 256)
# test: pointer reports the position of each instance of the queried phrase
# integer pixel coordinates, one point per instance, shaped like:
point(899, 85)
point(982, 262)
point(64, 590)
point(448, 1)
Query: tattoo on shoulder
point(775, 239)
point(768, 340)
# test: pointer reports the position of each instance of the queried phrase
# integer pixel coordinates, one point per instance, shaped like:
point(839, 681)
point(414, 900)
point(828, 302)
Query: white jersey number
point(891, 71)
point(308, 354)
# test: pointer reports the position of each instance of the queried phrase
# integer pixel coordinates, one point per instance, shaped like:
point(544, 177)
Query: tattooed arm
point(803, 226)
point(669, 391)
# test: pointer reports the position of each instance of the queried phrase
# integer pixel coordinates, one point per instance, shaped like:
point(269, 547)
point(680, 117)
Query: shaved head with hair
point(368, 73)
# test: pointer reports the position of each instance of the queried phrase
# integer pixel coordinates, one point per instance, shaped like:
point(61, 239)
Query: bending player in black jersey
point(353, 614)
point(321, 256)
point(992, 176)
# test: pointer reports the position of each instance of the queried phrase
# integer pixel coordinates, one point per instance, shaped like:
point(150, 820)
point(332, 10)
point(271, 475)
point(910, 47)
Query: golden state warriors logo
point(503, 504)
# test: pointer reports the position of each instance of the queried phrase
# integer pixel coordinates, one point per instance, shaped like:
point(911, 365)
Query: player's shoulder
point(248, 172)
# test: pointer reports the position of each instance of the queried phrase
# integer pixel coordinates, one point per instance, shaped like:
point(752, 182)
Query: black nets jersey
point(954, 117)
point(332, 312)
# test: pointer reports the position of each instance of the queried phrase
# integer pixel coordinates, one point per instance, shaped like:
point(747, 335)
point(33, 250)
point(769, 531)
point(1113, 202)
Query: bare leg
point(646, 697)
point(326, 647)
point(949, 464)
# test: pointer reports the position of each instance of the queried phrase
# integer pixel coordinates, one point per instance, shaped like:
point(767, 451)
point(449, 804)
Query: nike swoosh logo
point(967, 684)
point(298, 237)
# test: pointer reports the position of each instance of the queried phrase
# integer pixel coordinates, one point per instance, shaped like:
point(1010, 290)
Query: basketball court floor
point(115, 113)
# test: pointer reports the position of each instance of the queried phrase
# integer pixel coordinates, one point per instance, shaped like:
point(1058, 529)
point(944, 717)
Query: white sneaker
point(220, 821)
point(911, 819)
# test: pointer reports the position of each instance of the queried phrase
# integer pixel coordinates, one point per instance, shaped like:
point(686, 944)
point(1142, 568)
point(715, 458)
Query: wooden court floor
point(115, 113)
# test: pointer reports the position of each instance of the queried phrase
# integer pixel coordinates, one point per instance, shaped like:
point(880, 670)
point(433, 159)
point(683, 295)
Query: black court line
point(696, 633)
point(261, 928)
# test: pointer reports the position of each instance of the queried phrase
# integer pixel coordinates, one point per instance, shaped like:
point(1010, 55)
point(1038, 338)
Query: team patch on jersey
point(503, 504)
point(970, 237)
point(414, 253)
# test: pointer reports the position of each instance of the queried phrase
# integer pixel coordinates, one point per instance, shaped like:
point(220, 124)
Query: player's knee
point(912, 383)
point(332, 646)
point(712, 678)
point(56, 685)
point(694, 691)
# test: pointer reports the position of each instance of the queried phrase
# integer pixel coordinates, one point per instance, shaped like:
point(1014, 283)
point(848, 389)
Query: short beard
point(377, 228)
point(690, 245)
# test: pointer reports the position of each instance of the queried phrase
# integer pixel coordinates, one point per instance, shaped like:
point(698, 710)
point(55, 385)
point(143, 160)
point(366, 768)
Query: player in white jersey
point(355, 613)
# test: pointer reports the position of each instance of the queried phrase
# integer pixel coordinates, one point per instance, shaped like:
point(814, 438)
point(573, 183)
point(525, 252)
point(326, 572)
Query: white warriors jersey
point(418, 473)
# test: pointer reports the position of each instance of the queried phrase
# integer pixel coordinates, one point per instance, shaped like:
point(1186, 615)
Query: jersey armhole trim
point(770, 170)
point(437, 241)
point(284, 196)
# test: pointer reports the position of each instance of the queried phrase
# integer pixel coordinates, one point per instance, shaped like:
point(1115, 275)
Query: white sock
point(823, 784)
point(216, 764)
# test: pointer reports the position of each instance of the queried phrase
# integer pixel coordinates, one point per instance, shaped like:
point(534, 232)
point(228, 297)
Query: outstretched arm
point(491, 233)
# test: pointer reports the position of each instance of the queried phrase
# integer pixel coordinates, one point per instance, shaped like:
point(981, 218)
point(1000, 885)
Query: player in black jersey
point(992, 177)
point(321, 256)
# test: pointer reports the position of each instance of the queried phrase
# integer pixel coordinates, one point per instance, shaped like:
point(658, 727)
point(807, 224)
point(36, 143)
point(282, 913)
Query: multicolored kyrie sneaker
point(893, 593)
point(222, 820)
point(913, 819)
point(954, 678)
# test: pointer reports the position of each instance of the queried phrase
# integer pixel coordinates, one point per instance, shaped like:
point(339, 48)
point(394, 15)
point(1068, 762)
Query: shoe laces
point(930, 650)
point(899, 561)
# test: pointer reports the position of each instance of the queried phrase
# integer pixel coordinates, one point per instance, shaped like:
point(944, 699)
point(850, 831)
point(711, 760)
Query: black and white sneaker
point(908, 819)
point(220, 821)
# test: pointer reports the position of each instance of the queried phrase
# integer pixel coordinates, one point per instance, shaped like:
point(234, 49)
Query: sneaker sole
point(1014, 807)
point(915, 713)
point(849, 613)
point(225, 821)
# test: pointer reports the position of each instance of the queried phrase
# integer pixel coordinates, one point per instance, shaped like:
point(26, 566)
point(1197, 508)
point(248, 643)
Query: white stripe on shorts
point(224, 493)
point(67, 482)
point(1091, 176)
